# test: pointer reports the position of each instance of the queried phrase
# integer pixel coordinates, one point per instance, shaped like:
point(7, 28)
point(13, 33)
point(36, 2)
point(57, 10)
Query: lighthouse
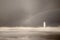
point(44, 24)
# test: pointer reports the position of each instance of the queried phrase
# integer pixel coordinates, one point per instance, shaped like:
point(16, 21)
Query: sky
point(29, 12)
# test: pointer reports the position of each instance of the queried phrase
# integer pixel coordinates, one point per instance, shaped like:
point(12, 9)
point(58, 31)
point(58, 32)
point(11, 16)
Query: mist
point(29, 12)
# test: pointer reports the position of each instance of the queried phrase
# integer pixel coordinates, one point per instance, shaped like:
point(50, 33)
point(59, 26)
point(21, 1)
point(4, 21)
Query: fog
point(29, 12)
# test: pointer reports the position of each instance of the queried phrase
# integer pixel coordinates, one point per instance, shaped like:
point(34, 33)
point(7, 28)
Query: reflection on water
point(32, 35)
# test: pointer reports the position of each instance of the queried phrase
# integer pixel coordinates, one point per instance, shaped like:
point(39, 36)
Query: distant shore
point(52, 29)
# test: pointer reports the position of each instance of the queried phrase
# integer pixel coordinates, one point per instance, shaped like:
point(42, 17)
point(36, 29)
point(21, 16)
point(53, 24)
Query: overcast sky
point(29, 12)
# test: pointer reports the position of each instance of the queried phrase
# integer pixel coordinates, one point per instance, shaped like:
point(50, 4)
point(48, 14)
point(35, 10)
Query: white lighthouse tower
point(44, 24)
